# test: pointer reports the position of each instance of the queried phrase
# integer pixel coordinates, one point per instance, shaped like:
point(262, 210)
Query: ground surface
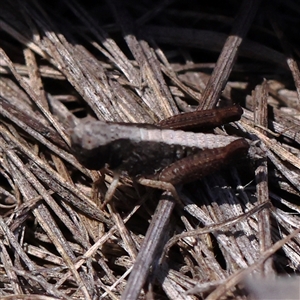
point(141, 63)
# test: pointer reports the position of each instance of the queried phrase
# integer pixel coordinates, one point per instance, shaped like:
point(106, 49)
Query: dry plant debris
point(141, 62)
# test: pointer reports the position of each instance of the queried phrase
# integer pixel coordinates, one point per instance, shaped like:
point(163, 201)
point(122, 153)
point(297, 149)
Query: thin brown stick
point(229, 54)
point(149, 250)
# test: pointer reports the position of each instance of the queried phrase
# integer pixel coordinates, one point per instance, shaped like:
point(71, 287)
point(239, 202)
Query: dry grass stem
point(68, 232)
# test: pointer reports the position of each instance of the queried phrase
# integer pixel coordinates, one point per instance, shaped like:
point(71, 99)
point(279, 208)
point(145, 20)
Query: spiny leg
point(111, 190)
point(161, 185)
point(204, 163)
point(203, 119)
point(195, 167)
